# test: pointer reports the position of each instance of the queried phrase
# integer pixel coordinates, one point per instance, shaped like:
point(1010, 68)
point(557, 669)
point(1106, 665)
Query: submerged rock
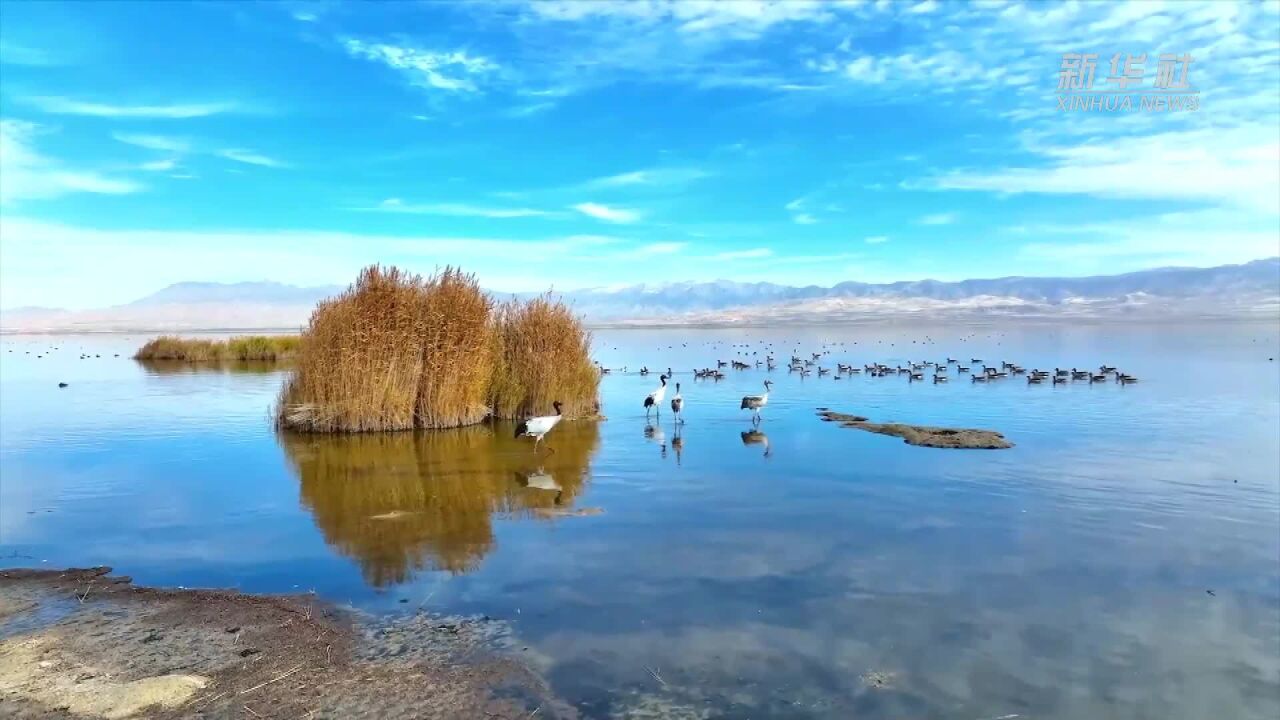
point(924, 435)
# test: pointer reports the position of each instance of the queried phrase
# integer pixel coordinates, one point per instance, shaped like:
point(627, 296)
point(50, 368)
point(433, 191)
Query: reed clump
point(396, 351)
point(247, 348)
point(542, 354)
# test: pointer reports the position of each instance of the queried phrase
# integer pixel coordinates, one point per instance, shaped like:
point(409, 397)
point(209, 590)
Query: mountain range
point(1247, 290)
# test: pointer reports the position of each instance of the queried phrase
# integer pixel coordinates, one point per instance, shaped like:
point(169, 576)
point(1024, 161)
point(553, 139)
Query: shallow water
point(804, 570)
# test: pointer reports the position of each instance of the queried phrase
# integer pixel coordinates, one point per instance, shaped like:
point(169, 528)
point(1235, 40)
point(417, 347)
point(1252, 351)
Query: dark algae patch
point(923, 435)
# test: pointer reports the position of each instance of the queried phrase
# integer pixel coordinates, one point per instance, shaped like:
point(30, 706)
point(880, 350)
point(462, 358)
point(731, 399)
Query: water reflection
point(181, 367)
point(757, 437)
point(398, 503)
point(656, 435)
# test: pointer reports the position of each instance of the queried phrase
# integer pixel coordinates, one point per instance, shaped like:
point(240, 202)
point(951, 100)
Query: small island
point(923, 435)
point(244, 348)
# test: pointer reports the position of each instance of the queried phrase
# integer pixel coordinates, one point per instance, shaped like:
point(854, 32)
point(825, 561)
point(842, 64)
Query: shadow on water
point(398, 503)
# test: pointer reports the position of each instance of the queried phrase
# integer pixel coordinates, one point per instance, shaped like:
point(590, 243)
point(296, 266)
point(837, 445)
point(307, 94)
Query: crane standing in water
point(538, 427)
point(677, 405)
point(654, 399)
point(755, 402)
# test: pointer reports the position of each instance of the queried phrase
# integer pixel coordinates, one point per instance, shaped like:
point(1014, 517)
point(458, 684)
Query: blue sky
point(579, 144)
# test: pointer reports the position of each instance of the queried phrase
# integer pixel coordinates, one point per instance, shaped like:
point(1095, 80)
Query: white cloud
point(159, 165)
point(136, 258)
point(1171, 239)
point(657, 176)
point(396, 205)
point(11, 54)
point(658, 248)
point(938, 219)
point(522, 111)
point(607, 213)
point(753, 253)
point(250, 157)
point(154, 142)
point(67, 106)
point(876, 239)
point(28, 175)
point(1236, 166)
point(804, 219)
point(454, 71)
point(739, 18)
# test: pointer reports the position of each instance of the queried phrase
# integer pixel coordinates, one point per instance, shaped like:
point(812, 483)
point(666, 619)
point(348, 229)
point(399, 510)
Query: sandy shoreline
point(83, 643)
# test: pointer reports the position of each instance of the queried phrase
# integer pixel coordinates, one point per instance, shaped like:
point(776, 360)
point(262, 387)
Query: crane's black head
point(556, 405)
point(663, 378)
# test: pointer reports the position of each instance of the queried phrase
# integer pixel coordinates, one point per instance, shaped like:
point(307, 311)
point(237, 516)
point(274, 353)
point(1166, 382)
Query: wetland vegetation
point(246, 348)
point(397, 351)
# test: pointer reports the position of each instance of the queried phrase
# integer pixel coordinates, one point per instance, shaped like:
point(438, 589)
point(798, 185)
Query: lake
point(1121, 561)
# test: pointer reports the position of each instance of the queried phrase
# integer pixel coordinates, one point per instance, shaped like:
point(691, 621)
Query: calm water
point(777, 574)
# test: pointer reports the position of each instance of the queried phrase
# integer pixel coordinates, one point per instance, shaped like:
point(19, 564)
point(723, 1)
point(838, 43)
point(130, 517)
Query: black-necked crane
point(538, 427)
point(677, 405)
point(654, 399)
point(755, 402)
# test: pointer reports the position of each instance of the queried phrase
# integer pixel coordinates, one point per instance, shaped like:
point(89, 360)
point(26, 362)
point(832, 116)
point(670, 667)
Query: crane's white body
point(654, 399)
point(755, 402)
point(538, 427)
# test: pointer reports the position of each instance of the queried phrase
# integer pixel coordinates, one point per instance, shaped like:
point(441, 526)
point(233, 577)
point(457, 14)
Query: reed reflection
point(398, 503)
point(182, 367)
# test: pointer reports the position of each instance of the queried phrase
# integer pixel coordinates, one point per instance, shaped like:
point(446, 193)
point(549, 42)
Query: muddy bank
point(83, 643)
point(923, 435)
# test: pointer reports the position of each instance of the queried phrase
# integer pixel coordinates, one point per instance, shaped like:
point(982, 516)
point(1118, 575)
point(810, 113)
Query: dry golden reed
point(396, 351)
point(542, 354)
point(247, 348)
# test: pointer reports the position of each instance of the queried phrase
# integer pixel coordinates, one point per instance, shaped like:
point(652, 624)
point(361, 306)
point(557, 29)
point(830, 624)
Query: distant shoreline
point(1267, 316)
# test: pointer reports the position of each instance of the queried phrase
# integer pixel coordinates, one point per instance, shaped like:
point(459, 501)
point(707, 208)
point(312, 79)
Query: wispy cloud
point(66, 106)
point(397, 205)
point(607, 213)
point(743, 254)
point(658, 248)
point(29, 175)
point(656, 176)
point(938, 219)
point(876, 239)
point(804, 219)
point(521, 111)
point(154, 142)
point(14, 54)
point(1238, 166)
point(250, 157)
point(159, 165)
point(455, 71)
point(1149, 241)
